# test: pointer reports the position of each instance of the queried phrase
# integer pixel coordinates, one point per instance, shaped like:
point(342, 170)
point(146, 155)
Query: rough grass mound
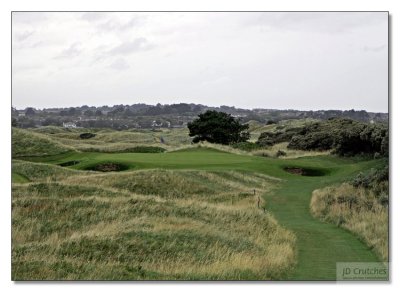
point(28, 143)
point(198, 226)
point(357, 210)
point(39, 171)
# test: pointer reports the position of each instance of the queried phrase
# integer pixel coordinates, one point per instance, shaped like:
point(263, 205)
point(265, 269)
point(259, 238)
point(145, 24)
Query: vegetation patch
point(305, 171)
point(27, 143)
point(356, 209)
point(143, 149)
point(18, 178)
point(39, 171)
point(69, 163)
point(345, 136)
point(246, 146)
point(108, 166)
point(117, 226)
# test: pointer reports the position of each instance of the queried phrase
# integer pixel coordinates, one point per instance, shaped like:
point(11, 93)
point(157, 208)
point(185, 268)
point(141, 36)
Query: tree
point(88, 113)
point(29, 111)
point(218, 127)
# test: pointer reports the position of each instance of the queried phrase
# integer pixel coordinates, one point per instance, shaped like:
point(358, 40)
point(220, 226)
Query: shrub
point(143, 149)
point(376, 180)
point(271, 138)
point(346, 137)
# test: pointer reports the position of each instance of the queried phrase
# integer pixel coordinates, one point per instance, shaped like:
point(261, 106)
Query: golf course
point(191, 178)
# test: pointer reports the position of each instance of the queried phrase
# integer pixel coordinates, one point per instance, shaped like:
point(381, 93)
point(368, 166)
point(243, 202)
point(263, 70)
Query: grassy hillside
point(357, 210)
point(188, 213)
point(151, 224)
point(111, 141)
point(29, 143)
point(116, 141)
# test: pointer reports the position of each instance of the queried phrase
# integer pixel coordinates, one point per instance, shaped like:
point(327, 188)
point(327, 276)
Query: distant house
point(155, 124)
point(69, 125)
point(166, 124)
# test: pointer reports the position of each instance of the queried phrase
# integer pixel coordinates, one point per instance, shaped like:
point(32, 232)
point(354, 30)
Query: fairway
point(319, 245)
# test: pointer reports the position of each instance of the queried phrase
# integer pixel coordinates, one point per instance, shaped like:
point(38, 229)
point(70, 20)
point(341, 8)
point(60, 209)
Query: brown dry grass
point(150, 224)
point(357, 210)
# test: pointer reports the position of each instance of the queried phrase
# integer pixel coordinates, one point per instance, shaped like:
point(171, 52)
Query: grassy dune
point(116, 141)
point(189, 213)
point(149, 224)
point(29, 143)
point(357, 210)
point(110, 141)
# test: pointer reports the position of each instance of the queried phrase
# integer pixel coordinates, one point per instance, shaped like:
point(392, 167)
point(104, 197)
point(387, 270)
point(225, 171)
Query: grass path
point(320, 245)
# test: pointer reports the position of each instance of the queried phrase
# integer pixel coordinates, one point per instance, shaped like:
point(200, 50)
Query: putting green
point(320, 245)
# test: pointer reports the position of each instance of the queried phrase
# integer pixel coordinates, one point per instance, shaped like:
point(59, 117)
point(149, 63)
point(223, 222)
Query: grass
point(178, 194)
point(116, 141)
point(357, 210)
point(28, 143)
point(272, 151)
point(147, 224)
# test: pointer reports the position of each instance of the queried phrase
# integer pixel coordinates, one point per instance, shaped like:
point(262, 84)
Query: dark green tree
point(29, 111)
point(218, 127)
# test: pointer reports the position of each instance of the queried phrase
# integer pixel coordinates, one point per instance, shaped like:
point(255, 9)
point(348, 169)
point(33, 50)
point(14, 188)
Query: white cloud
point(270, 60)
point(120, 64)
point(137, 45)
point(71, 52)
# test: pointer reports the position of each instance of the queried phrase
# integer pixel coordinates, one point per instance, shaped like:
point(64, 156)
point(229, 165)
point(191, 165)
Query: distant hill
point(145, 116)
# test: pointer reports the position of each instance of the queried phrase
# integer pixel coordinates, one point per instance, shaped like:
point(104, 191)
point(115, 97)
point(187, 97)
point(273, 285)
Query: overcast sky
point(249, 60)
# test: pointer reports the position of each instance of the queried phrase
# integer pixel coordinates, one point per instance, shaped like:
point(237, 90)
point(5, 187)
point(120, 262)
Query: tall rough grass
point(116, 141)
point(272, 151)
point(150, 224)
point(29, 143)
point(357, 210)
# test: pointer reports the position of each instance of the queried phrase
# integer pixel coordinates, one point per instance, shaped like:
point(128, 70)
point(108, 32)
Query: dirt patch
point(305, 171)
point(69, 163)
point(108, 166)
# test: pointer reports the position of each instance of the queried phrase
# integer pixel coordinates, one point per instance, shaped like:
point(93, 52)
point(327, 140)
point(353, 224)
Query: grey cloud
point(119, 64)
point(72, 51)
point(23, 35)
point(113, 25)
point(374, 49)
point(28, 17)
point(329, 60)
point(323, 22)
point(137, 45)
point(25, 68)
point(93, 16)
point(28, 45)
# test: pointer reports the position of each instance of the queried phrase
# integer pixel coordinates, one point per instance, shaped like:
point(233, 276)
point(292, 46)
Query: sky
point(277, 60)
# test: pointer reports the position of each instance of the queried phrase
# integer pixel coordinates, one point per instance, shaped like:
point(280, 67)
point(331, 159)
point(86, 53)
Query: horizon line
point(240, 108)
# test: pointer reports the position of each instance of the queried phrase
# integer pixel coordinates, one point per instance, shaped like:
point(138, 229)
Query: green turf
point(18, 178)
point(320, 245)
